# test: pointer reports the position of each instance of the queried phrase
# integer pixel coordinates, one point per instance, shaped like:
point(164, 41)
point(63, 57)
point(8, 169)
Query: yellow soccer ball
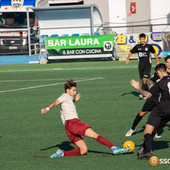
point(129, 145)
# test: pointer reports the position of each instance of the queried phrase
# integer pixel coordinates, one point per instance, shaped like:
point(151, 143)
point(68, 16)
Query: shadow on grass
point(65, 146)
point(160, 131)
point(157, 145)
point(107, 153)
point(131, 93)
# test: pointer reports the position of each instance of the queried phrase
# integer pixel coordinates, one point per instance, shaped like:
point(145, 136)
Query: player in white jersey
point(74, 127)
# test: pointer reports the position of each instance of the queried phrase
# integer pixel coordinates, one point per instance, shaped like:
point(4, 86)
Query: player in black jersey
point(147, 107)
point(155, 76)
point(150, 103)
point(144, 58)
point(160, 115)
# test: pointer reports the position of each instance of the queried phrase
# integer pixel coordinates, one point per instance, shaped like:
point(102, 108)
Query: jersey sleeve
point(62, 99)
point(155, 90)
point(154, 77)
point(134, 50)
point(152, 50)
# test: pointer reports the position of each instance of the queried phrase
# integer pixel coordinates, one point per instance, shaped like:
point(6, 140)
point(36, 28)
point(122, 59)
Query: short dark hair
point(167, 57)
point(161, 67)
point(142, 35)
point(69, 84)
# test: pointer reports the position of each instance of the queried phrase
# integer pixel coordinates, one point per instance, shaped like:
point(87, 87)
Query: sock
point(145, 87)
point(143, 145)
point(153, 134)
point(104, 141)
point(136, 121)
point(148, 142)
point(73, 152)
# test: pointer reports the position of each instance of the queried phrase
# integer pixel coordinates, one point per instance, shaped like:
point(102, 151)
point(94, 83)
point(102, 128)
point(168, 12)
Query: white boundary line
point(67, 69)
point(47, 85)
point(33, 80)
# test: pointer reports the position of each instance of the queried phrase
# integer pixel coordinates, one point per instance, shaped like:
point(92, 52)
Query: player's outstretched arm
point(127, 61)
point(77, 97)
point(45, 110)
point(135, 84)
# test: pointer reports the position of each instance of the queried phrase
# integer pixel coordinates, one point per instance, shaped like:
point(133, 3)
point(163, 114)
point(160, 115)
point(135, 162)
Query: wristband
point(47, 108)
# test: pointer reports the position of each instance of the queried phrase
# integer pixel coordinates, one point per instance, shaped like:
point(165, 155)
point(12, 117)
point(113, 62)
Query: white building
point(120, 15)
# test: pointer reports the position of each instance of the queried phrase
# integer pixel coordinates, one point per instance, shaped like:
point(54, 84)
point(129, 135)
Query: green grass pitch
point(108, 103)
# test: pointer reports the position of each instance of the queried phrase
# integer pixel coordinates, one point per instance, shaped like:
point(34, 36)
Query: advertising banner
point(166, 43)
point(88, 46)
point(125, 42)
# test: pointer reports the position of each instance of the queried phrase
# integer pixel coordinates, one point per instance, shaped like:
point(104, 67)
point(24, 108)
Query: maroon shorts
point(75, 128)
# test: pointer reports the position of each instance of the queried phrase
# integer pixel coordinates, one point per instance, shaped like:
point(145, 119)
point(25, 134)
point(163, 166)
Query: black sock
point(136, 121)
point(145, 87)
point(143, 145)
point(148, 142)
point(153, 134)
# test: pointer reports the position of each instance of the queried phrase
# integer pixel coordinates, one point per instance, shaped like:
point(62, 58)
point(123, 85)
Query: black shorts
point(144, 71)
point(159, 116)
point(149, 105)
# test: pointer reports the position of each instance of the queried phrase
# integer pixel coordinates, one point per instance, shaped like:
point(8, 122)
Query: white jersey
point(67, 108)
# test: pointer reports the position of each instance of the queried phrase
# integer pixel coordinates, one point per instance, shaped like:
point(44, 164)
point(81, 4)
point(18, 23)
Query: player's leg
point(144, 84)
point(147, 107)
point(164, 121)
point(136, 121)
point(152, 122)
point(146, 75)
point(148, 137)
point(81, 150)
point(73, 129)
point(92, 134)
point(141, 73)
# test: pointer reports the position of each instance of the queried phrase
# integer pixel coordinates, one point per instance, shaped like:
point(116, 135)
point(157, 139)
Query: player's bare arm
point(77, 97)
point(135, 84)
point(45, 110)
point(151, 83)
point(127, 61)
point(156, 58)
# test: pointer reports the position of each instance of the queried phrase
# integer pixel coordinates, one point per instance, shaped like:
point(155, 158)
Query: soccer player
point(155, 76)
point(160, 115)
point(74, 127)
point(144, 58)
point(150, 103)
point(148, 106)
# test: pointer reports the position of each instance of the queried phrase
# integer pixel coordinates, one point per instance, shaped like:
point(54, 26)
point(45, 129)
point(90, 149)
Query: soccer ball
point(129, 145)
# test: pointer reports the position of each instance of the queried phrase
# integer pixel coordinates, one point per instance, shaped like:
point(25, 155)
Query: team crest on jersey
point(17, 4)
point(146, 49)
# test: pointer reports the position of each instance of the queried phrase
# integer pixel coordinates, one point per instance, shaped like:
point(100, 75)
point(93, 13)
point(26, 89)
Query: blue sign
point(156, 36)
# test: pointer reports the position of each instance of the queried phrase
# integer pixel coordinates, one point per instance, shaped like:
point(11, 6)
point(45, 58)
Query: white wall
point(160, 10)
point(117, 14)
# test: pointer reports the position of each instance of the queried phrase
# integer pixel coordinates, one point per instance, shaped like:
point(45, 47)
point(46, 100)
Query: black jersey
point(155, 77)
point(143, 53)
point(162, 87)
